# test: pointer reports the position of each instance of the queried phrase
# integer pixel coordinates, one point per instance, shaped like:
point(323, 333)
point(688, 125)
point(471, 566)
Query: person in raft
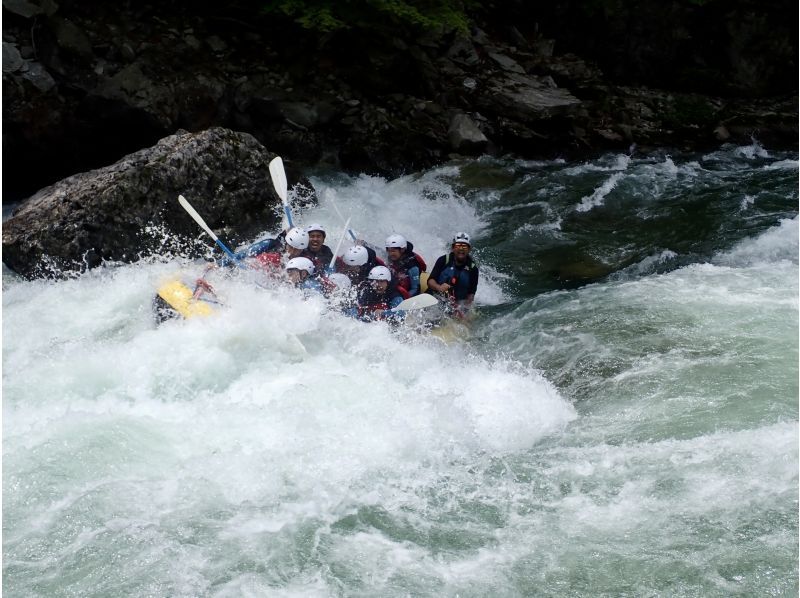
point(356, 263)
point(406, 266)
point(456, 276)
point(376, 300)
point(317, 251)
point(300, 272)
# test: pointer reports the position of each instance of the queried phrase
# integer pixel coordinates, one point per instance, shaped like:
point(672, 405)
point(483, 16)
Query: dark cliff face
point(85, 83)
point(741, 48)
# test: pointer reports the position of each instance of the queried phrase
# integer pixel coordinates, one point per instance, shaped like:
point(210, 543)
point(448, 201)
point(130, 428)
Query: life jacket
point(366, 311)
point(457, 277)
point(321, 259)
point(271, 261)
point(370, 301)
point(400, 269)
point(328, 286)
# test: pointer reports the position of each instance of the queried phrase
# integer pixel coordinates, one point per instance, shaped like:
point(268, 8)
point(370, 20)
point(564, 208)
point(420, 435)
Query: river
point(620, 420)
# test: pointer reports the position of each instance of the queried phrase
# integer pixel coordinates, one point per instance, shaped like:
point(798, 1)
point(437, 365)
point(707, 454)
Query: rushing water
point(621, 419)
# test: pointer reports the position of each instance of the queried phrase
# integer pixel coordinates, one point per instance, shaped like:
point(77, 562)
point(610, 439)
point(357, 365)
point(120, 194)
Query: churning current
point(621, 418)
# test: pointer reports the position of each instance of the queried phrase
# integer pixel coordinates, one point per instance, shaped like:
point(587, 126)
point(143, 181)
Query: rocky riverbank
point(86, 86)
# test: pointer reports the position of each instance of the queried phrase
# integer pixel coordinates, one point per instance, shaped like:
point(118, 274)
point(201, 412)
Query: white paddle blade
point(421, 301)
point(278, 175)
point(197, 218)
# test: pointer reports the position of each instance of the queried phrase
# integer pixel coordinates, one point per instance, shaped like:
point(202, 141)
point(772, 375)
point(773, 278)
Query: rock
point(22, 8)
point(216, 44)
point(465, 136)
point(522, 97)
point(506, 63)
point(70, 37)
point(103, 214)
point(721, 133)
point(38, 76)
point(608, 134)
point(12, 59)
point(463, 52)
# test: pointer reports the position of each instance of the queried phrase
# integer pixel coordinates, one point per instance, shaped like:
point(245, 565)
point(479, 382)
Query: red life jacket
point(269, 261)
point(328, 286)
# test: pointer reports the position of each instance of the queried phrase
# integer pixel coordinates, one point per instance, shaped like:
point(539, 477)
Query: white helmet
point(356, 256)
point(317, 227)
point(396, 241)
point(341, 281)
point(462, 238)
point(300, 263)
point(297, 238)
point(380, 273)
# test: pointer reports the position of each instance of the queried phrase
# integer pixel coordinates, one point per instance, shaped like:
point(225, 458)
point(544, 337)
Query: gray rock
point(12, 59)
point(463, 52)
point(507, 63)
point(192, 42)
point(22, 8)
point(38, 76)
point(521, 97)
point(70, 37)
point(465, 136)
point(216, 43)
point(103, 214)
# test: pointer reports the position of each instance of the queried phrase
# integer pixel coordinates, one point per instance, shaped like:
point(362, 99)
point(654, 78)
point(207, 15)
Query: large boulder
point(109, 214)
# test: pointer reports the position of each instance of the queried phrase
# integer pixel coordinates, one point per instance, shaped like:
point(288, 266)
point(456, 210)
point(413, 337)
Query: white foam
point(776, 244)
point(596, 199)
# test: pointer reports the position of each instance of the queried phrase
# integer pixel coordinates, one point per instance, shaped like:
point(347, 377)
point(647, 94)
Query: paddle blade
point(278, 175)
point(419, 302)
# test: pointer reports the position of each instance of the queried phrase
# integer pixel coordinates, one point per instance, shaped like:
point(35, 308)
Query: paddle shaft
point(199, 220)
point(346, 222)
point(332, 265)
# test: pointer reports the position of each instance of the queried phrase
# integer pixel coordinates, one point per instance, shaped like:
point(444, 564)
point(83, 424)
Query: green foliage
point(333, 15)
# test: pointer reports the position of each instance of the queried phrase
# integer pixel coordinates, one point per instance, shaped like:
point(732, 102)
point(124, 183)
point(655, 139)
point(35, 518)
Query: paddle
point(278, 175)
point(421, 301)
point(333, 203)
point(332, 265)
point(193, 213)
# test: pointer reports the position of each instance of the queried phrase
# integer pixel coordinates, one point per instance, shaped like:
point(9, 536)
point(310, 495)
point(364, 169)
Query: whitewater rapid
point(635, 434)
